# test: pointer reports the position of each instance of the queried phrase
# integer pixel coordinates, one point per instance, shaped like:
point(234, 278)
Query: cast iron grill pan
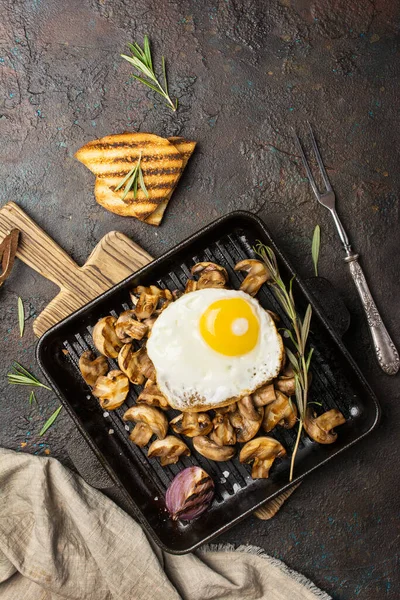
point(336, 383)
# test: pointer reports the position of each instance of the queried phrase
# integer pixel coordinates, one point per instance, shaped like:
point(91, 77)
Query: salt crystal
point(105, 414)
point(111, 431)
point(223, 480)
point(226, 473)
point(127, 427)
point(236, 487)
point(155, 497)
point(88, 397)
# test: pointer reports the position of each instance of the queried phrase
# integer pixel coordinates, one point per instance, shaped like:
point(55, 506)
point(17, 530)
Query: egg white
point(195, 377)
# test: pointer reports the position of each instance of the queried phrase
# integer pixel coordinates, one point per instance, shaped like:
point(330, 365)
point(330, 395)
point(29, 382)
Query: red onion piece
point(190, 493)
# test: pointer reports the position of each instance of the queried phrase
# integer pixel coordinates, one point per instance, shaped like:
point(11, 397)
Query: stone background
point(246, 73)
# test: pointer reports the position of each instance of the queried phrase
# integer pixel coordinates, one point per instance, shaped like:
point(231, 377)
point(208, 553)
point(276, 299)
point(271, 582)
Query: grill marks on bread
point(162, 161)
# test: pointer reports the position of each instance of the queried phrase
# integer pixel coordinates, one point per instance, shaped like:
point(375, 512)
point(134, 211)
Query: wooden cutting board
point(113, 259)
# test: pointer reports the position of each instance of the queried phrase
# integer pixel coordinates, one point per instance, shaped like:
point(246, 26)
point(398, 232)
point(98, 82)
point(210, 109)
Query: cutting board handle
point(37, 249)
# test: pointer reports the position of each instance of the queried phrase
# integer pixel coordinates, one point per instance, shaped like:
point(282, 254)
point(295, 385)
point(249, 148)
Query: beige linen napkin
point(60, 538)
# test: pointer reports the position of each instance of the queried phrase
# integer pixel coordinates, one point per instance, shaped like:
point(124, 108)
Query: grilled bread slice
point(186, 148)
point(112, 157)
point(112, 202)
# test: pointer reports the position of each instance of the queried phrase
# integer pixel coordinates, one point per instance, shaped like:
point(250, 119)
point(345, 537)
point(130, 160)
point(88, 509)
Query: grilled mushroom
point(128, 328)
point(191, 286)
point(223, 433)
point(286, 382)
point(263, 451)
point(150, 322)
point(192, 424)
point(152, 396)
point(128, 362)
point(147, 302)
point(264, 395)
point(280, 412)
point(135, 364)
point(246, 419)
point(170, 449)
point(257, 274)
point(210, 274)
point(321, 428)
point(91, 367)
point(222, 410)
point(149, 421)
point(104, 337)
point(111, 389)
point(211, 450)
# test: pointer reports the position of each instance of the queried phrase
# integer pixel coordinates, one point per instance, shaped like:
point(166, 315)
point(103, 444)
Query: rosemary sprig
point(50, 421)
point(316, 242)
point(21, 376)
point(141, 59)
point(131, 180)
point(300, 359)
point(21, 316)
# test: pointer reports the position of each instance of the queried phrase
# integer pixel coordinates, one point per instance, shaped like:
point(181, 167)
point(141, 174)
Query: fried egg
point(213, 346)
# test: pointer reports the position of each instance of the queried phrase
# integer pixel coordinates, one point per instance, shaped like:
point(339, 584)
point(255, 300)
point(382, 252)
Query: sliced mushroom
point(257, 274)
point(222, 410)
point(166, 297)
point(263, 451)
point(192, 424)
point(246, 419)
point(150, 322)
point(128, 362)
point(210, 274)
point(147, 302)
point(104, 337)
point(321, 428)
point(223, 433)
point(170, 449)
point(287, 385)
point(111, 389)
point(152, 396)
point(191, 286)
point(91, 367)
point(211, 450)
point(149, 421)
point(264, 395)
point(280, 412)
point(146, 366)
point(128, 328)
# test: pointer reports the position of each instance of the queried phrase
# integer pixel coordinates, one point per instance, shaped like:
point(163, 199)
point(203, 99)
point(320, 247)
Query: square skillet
point(336, 382)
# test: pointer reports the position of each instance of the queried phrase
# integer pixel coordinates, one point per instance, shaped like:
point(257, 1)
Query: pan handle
point(37, 249)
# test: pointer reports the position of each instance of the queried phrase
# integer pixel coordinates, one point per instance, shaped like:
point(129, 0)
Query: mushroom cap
point(152, 396)
point(192, 424)
point(257, 274)
point(91, 367)
point(211, 450)
point(104, 337)
point(170, 449)
point(111, 389)
point(128, 362)
point(141, 434)
point(287, 385)
point(247, 419)
point(128, 328)
point(223, 433)
point(147, 302)
point(264, 395)
point(263, 451)
point(280, 412)
point(321, 429)
point(211, 275)
point(154, 418)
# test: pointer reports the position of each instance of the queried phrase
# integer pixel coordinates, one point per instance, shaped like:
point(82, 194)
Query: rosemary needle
point(20, 376)
point(21, 316)
point(316, 242)
point(141, 59)
point(50, 421)
point(131, 181)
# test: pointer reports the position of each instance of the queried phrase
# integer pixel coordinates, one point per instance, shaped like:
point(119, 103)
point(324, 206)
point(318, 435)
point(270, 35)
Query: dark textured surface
point(245, 74)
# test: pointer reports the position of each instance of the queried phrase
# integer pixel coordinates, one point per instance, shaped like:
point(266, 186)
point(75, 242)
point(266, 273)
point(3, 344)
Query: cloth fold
point(60, 538)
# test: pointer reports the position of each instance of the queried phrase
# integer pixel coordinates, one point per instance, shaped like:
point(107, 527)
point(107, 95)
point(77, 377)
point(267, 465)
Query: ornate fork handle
point(385, 349)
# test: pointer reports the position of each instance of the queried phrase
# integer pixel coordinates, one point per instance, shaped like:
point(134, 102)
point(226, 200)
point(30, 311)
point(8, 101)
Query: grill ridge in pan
point(337, 382)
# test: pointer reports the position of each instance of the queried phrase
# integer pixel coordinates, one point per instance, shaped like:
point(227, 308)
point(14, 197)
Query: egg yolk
point(230, 327)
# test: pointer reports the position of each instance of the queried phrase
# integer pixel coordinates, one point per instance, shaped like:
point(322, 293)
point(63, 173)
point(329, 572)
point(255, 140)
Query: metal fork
point(385, 349)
